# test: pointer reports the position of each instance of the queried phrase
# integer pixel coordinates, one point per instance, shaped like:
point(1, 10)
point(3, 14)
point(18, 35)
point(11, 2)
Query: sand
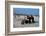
point(17, 22)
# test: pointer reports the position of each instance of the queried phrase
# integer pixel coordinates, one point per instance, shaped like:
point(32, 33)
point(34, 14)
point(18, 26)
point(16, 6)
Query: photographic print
point(25, 17)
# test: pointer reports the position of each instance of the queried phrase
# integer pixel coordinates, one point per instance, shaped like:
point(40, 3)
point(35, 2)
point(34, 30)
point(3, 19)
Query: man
point(29, 17)
point(32, 19)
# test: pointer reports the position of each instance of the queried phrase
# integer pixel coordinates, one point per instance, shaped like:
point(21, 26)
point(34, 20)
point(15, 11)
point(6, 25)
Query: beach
point(17, 22)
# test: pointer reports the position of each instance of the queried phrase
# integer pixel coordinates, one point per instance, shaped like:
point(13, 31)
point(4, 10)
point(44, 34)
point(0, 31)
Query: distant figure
point(28, 17)
point(32, 19)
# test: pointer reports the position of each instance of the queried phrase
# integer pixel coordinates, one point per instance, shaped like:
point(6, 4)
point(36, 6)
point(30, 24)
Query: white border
point(26, 28)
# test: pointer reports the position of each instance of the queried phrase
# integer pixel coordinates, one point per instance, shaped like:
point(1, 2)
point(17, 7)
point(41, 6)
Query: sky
point(26, 11)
